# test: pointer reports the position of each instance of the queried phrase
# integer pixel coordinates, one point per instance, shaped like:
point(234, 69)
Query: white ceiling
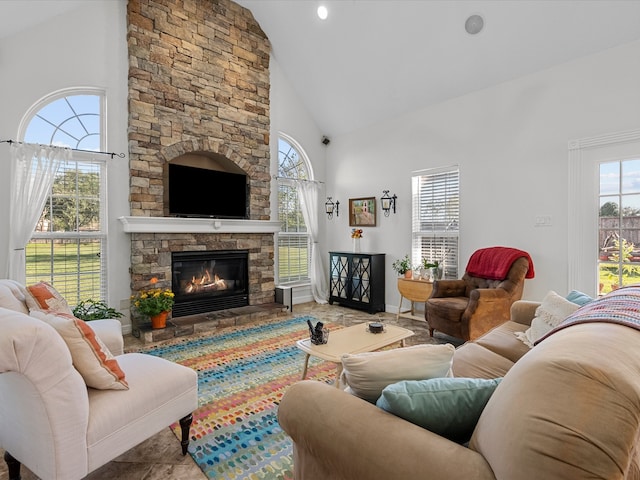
point(377, 59)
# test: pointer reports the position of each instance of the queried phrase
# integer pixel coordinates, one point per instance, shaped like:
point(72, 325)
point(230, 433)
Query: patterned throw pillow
point(42, 296)
point(553, 310)
point(90, 356)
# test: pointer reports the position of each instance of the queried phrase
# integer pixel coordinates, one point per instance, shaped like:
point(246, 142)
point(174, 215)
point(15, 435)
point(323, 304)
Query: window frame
point(293, 236)
point(585, 155)
point(80, 157)
point(440, 185)
point(616, 233)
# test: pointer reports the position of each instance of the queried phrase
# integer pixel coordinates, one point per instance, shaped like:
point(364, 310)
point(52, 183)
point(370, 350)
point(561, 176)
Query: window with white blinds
point(294, 245)
point(436, 217)
point(68, 247)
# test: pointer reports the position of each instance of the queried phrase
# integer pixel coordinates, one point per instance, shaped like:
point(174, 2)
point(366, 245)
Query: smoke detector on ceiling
point(474, 24)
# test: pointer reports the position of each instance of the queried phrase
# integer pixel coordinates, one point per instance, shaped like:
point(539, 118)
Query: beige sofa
point(567, 409)
point(55, 425)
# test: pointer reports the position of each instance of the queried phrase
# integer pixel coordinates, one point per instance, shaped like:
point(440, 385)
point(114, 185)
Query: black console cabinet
point(356, 280)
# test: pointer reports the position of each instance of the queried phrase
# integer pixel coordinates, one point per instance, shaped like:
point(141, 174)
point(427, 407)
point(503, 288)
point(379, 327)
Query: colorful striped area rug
point(243, 373)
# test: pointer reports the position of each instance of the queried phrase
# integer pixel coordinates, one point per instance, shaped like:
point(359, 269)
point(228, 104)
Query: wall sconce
point(388, 202)
point(329, 207)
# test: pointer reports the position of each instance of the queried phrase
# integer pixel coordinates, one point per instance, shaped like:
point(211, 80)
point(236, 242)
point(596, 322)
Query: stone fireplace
point(198, 87)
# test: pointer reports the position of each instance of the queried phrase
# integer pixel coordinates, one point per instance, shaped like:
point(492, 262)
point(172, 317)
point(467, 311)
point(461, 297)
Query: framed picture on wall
point(362, 212)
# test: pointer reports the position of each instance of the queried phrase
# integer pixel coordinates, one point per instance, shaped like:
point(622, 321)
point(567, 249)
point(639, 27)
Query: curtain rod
point(121, 155)
point(276, 177)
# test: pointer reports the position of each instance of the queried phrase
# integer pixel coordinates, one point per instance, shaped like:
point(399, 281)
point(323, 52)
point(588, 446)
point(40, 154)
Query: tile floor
point(159, 458)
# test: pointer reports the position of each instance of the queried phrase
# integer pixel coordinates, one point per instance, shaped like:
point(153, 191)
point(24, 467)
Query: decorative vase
point(408, 274)
point(159, 320)
point(425, 274)
point(437, 272)
point(356, 245)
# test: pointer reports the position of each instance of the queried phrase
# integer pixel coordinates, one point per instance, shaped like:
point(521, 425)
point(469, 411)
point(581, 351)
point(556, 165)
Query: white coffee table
point(354, 339)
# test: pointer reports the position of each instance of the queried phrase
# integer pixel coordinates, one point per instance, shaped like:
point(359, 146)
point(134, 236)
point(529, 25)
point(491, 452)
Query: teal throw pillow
point(579, 298)
point(449, 407)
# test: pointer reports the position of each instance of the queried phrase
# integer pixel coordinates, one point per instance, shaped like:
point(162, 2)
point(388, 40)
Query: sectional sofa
point(566, 408)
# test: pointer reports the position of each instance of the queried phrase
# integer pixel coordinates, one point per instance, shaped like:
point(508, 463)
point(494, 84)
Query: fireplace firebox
point(208, 281)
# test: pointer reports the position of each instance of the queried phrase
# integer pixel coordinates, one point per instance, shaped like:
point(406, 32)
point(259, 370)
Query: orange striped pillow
point(43, 296)
point(90, 356)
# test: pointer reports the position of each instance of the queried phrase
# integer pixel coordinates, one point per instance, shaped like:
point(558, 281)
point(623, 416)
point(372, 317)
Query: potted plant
point(156, 303)
point(88, 310)
point(432, 268)
point(427, 264)
point(403, 266)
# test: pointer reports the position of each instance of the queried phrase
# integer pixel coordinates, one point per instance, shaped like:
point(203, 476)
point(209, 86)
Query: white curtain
point(33, 169)
point(308, 192)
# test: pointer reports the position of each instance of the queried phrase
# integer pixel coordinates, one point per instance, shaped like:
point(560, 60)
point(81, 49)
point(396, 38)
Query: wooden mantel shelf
point(414, 291)
point(196, 225)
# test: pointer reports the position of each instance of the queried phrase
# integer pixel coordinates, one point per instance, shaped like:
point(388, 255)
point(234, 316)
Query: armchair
point(60, 428)
point(13, 297)
point(469, 307)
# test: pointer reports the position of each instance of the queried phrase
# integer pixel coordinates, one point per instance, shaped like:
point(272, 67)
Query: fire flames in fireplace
point(210, 280)
point(206, 282)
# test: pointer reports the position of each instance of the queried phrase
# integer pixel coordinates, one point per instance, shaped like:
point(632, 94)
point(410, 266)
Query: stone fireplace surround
point(198, 83)
point(154, 238)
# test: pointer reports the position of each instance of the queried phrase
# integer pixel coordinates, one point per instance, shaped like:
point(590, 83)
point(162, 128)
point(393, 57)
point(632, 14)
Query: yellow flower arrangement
point(153, 301)
point(356, 233)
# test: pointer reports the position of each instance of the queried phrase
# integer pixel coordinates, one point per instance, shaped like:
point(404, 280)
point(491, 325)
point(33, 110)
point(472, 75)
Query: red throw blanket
point(495, 262)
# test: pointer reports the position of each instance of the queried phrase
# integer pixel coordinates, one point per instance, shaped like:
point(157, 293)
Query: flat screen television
point(201, 192)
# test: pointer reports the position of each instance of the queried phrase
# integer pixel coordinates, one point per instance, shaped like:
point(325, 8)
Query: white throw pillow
point(551, 312)
point(367, 374)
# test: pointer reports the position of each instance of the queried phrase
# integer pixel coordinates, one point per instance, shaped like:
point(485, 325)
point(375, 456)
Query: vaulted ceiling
point(376, 59)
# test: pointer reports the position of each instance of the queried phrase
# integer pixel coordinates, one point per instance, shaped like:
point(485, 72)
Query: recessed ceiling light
point(323, 12)
point(474, 24)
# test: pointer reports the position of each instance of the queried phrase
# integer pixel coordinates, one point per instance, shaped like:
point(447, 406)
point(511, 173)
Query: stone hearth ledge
point(196, 225)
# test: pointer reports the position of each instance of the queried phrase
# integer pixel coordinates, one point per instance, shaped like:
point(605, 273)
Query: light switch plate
point(543, 221)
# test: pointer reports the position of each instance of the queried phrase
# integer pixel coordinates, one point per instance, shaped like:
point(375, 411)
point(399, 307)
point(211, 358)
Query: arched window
point(68, 248)
point(293, 240)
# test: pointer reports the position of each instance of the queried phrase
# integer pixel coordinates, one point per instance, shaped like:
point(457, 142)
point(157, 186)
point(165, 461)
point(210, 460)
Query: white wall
point(290, 117)
point(84, 47)
point(510, 142)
